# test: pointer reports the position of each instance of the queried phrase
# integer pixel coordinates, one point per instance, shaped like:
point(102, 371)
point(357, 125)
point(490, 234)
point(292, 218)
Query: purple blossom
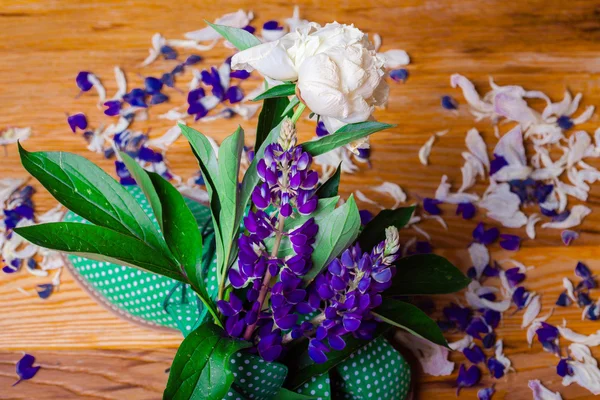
point(234, 94)
point(466, 210)
point(213, 79)
point(564, 122)
point(520, 297)
point(547, 335)
point(467, 377)
point(496, 367)
point(567, 236)
point(489, 340)
point(272, 25)
point(399, 75)
point(583, 299)
point(497, 163)
point(514, 276)
point(461, 316)
point(449, 103)
point(77, 121)
point(249, 29)
point(492, 318)
point(25, 369)
point(113, 108)
point(476, 327)
point(531, 191)
point(483, 236)
point(510, 242)
point(83, 82)
point(152, 85)
point(582, 271)
point(196, 107)
point(431, 206)
point(474, 354)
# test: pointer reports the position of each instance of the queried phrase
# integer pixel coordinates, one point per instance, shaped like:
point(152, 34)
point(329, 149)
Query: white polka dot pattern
point(255, 378)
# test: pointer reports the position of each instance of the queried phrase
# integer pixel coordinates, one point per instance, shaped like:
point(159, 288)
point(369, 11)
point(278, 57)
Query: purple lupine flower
point(399, 75)
point(449, 103)
point(510, 242)
point(77, 121)
point(466, 210)
point(347, 292)
point(474, 354)
point(431, 206)
point(113, 108)
point(83, 82)
point(25, 369)
point(483, 236)
point(467, 377)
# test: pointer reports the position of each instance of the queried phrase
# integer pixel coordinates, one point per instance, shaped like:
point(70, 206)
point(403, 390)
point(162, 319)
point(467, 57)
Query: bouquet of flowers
point(302, 286)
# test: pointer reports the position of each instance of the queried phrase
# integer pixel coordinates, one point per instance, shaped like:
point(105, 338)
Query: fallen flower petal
point(578, 213)
point(25, 368)
point(77, 121)
point(585, 369)
point(542, 393)
point(467, 377)
point(510, 242)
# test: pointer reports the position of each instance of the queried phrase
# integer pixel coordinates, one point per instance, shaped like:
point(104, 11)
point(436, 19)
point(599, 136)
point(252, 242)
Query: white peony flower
point(337, 69)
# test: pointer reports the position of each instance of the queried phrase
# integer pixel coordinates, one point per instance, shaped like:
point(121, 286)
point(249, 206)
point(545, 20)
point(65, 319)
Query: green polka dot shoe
point(377, 371)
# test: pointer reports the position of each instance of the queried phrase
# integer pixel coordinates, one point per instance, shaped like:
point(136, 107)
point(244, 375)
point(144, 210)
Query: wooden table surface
point(87, 352)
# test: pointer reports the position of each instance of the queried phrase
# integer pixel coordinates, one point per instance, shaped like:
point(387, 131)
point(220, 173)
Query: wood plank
point(43, 45)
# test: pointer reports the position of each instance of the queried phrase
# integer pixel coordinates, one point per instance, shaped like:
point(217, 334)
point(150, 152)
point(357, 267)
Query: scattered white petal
point(438, 218)
point(477, 147)
point(480, 257)
point(443, 194)
point(163, 142)
point(7, 187)
point(499, 354)
point(432, 357)
point(585, 369)
point(542, 393)
point(578, 213)
point(238, 19)
point(585, 116)
point(425, 150)
point(568, 285)
point(592, 340)
point(461, 344)
point(13, 135)
point(532, 311)
point(360, 196)
point(93, 79)
point(395, 58)
point(530, 228)
point(121, 83)
point(471, 95)
point(393, 190)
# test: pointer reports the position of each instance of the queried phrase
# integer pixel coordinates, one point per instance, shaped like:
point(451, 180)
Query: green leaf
point(346, 134)
point(143, 180)
point(302, 367)
point(406, 316)
point(230, 154)
point(336, 232)
point(426, 274)
point(290, 107)
point(201, 368)
point(240, 38)
point(88, 191)
point(272, 113)
point(374, 231)
point(283, 90)
point(100, 244)
point(181, 231)
point(285, 394)
point(330, 188)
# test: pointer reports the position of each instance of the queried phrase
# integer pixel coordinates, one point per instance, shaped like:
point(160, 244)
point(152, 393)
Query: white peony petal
point(393, 190)
point(578, 213)
point(480, 257)
point(510, 146)
point(425, 150)
point(477, 147)
point(238, 19)
point(470, 94)
point(270, 59)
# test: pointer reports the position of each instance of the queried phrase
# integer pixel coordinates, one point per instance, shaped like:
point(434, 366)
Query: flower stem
point(298, 112)
point(266, 283)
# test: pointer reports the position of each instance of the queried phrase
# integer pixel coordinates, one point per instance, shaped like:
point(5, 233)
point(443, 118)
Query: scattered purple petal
point(582, 271)
point(449, 103)
point(272, 25)
point(77, 121)
point(137, 98)
point(431, 206)
point(466, 210)
point(467, 377)
point(399, 75)
point(474, 354)
point(510, 242)
point(83, 81)
point(168, 52)
point(45, 290)
point(561, 217)
point(563, 368)
point(365, 216)
point(239, 74)
point(234, 94)
point(193, 59)
point(486, 394)
point(321, 130)
point(564, 122)
point(564, 300)
point(568, 236)
point(496, 367)
point(113, 108)
point(497, 163)
point(483, 236)
point(25, 369)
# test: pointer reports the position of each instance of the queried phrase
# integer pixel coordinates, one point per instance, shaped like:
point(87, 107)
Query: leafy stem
point(298, 112)
point(266, 283)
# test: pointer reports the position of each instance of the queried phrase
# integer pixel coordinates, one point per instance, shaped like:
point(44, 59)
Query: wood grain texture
point(86, 351)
